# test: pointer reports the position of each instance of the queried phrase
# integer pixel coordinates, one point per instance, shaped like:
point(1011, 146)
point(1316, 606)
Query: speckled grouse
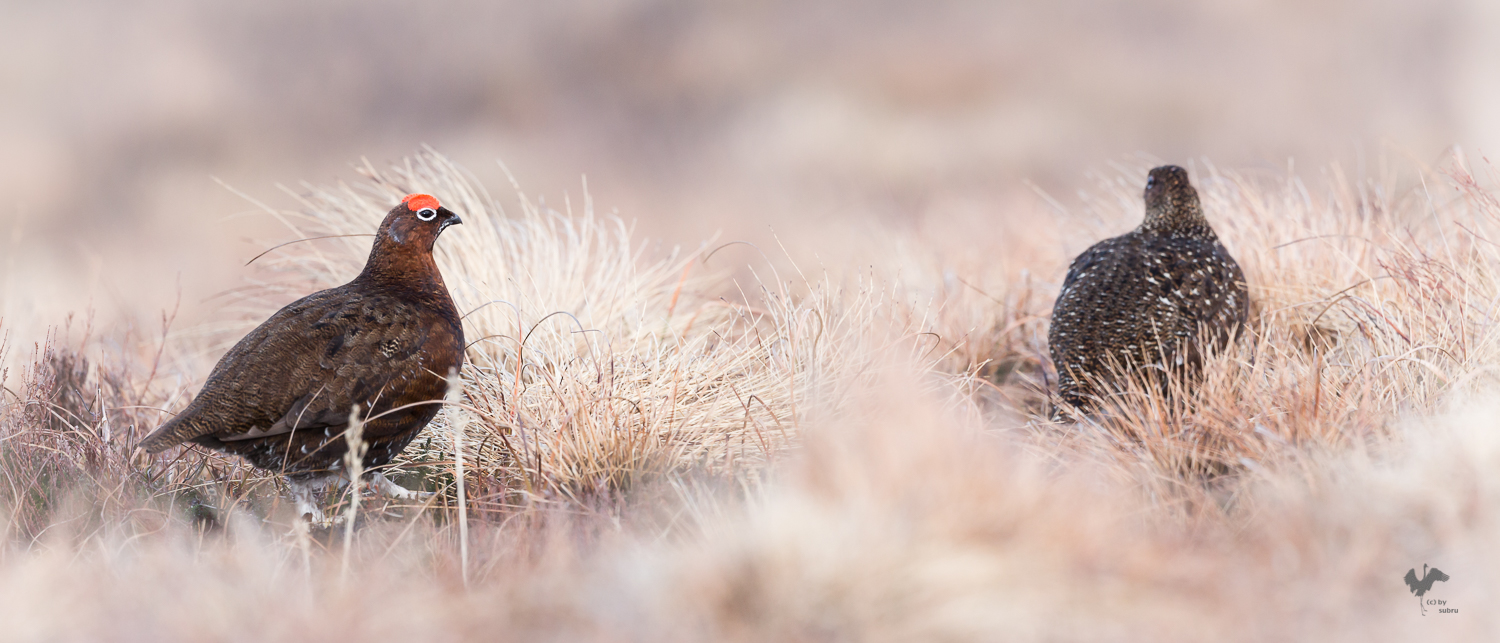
point(281, 397)
point(1156, 296)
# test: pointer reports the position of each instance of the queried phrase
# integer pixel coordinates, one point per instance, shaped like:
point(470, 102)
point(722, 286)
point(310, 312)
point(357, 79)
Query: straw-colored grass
point(654, 450)
point(597, 362)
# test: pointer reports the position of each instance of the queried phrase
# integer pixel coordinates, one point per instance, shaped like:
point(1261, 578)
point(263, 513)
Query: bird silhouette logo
point(1420, 587)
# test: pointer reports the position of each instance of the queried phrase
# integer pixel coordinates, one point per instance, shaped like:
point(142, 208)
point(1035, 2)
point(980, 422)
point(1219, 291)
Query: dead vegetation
point(656, 449)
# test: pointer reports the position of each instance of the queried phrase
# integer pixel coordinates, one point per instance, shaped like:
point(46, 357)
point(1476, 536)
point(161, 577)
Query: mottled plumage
point(281, 397)
point(1144, 297)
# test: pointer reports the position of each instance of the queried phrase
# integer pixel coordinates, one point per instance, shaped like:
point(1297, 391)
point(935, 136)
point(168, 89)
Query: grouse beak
point(455, 220)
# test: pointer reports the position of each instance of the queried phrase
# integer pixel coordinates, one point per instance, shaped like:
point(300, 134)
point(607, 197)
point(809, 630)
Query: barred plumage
point(382, 344)
point(1157, 295)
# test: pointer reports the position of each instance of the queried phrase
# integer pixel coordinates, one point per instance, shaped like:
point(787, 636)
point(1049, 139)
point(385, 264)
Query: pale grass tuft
point(1366, 309)
point(632, 363)
point(653, 451)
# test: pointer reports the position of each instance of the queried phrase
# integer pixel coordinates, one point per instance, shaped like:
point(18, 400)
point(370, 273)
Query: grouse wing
point(305, 367)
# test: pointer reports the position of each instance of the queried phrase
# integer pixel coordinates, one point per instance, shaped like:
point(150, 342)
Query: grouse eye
point(427, 214)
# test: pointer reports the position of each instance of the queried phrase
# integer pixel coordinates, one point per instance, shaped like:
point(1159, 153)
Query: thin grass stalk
point(460, 423)
point(354, 460)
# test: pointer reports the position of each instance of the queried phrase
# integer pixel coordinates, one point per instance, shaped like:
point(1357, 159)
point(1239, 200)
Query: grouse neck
point(392, 266)
point(1177, 227)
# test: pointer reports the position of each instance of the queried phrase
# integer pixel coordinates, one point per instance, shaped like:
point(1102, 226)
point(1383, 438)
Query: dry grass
point(596, 364)
point(657, 451)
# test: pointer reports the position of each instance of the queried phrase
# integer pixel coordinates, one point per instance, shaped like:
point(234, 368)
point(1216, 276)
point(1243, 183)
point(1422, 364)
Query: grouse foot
point(383, 485)
point(303, 496)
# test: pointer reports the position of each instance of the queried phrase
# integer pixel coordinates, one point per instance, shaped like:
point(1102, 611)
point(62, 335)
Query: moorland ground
point(717, 442)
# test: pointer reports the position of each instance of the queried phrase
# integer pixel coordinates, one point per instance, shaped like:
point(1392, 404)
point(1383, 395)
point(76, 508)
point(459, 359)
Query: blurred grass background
point(914, 177)
point(809, 119)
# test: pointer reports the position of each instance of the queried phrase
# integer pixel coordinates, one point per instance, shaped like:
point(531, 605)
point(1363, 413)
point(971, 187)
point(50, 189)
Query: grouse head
point(1172, 207)
point(416, 222)
point(403, 244)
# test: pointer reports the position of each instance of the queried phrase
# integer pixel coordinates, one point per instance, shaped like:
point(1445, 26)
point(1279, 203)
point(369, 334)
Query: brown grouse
point(384, 343)
point(1155, 296)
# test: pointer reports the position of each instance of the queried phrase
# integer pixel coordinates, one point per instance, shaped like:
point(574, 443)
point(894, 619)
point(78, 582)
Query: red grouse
point(1156, 296)
point(381, 344)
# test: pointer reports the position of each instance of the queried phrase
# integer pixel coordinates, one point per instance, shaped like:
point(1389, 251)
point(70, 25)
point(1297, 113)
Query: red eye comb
point(416, 202)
